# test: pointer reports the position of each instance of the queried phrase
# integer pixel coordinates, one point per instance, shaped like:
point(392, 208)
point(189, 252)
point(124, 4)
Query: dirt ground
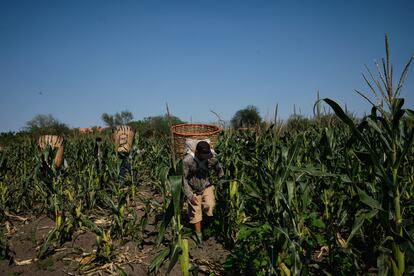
point(25, 235)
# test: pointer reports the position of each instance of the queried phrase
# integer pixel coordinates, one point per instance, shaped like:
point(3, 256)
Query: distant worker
point(197, 186)
point(98, 153)
point(124, 139)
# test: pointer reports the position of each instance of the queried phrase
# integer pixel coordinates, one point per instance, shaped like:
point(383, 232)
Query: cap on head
point(203, 150)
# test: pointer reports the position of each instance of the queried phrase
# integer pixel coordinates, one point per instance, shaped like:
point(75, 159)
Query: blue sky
point(79, 59)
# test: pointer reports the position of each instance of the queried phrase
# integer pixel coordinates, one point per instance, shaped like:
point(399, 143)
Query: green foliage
point(248, 117)
point(13, 138)
point(298, 123)
point(249, 257)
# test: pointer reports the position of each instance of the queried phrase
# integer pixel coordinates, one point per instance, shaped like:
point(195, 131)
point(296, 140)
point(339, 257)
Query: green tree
point(46, 124)
point(155, 125)
point(246, 118)
point(119, 118)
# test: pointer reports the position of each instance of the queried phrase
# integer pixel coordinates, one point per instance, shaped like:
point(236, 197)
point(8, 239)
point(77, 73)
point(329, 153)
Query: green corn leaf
point(374, 112)
point(252, 189)
point(163, 176)
point(290, 185)
point(367, 200)
point(395, 270)
point(159, 260)
point(176, 187)
point(379, 132)
point(143, 223)
point(409, 238)
point(397, 105)
point(292, 154)
point(406, 148)
point(386, 125)
point(340, 113)
point(382, 264)
point(403, 76)
point(120, 271)
point(410, 114)
point(176, 251)
point(382, 246)
point(283, 232)
point(288, 209)
point(313, 171)
point(91, 225)
point(169, 213)
point(233, 189)
point(46, 244)
point(360, 219)
point(306, 195)
point(345, 118)
point(317, 222)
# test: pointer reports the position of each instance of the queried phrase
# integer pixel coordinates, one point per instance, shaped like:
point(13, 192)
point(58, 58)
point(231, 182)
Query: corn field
point(335, 198)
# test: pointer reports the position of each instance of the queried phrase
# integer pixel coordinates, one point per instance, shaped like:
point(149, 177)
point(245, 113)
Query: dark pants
point(125, 166)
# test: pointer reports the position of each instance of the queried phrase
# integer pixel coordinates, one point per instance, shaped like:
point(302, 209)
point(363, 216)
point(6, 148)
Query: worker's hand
point(194, 200)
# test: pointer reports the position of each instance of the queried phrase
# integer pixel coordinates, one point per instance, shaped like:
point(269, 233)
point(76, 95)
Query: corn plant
point(386, 140)
point(234, 153)
point(65, 214)
point(178, 248)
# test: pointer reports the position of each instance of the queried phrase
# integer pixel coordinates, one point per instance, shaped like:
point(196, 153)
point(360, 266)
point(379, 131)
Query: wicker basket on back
point(124, 138)
point(182, 132)
point(55, 142)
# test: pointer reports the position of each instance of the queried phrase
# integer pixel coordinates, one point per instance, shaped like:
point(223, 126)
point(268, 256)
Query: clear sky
point(79, 59)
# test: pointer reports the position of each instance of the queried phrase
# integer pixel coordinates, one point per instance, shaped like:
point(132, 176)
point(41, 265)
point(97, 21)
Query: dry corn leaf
point(10, 228)
point(87, 259)
point(102, 221)
point(284, 268)
point(101, 268)
point(24, 262)
point(324, 249)
point(341, 241)
point(15, 216)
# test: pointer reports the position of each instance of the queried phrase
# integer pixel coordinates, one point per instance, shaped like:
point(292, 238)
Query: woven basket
point(124, 138)
point(55, 142)
point(182, 132)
